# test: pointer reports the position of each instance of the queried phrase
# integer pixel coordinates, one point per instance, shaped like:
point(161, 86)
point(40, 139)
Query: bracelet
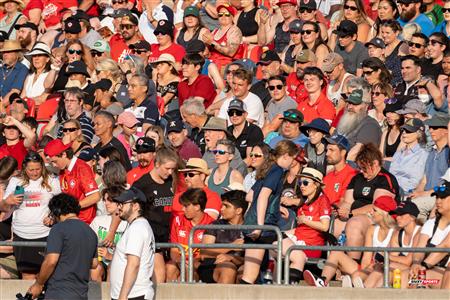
point(426, 265)
point(54, 68)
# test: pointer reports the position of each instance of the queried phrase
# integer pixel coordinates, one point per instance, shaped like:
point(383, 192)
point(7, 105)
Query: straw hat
point(19, 2)
point(167, 58)
point(196, 165)
point(11, 45)
point(313, 174)
point(40, 48)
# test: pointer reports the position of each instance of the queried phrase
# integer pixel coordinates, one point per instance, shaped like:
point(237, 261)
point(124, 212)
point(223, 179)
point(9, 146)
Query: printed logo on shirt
point(155, 192)
point(32, 199)
point(337, 186)
point(244, 143)
point(124, 55)
point(182, 233)
point(290, 193)
point(49, 10)
point(72, 183)
point(165, 201)
point(366, 190)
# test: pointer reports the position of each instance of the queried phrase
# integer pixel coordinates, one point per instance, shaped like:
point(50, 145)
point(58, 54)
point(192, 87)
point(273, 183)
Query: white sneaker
point(347, 281)
point(313, 280)
point(358, 283)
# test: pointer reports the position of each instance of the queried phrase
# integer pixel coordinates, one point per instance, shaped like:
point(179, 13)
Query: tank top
point(182, 42)
point(247, 23)
point(219, 188)
point(282, 38)
point(315, 161)
point(336, 96)
point(288, 58)
point(220, 59)
point(389, 150)
point(394, 64)
point(383, 243)
point(401, 236)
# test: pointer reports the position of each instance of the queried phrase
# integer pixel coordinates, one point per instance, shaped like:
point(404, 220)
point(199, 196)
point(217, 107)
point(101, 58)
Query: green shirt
point(435, 15)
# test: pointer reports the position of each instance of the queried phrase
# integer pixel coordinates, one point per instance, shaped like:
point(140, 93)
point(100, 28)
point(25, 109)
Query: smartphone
point(19, 190)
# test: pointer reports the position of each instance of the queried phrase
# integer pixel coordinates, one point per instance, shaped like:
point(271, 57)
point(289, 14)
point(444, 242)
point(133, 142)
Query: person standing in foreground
point(133, 260)
point(67, 262)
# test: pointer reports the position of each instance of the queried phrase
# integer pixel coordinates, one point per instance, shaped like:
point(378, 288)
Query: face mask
point(425, 98)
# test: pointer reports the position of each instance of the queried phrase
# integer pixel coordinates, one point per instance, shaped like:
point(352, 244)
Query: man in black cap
point(145, 153)
point(88, 36)
point(72, 29)
point(128, 34)
point(290, 129)
point(352, 51)
point(165, 35)
point(375, 48)
point(178, 138)
point(246, 134)
point(78, 77)
point(26, 34)
point(133, 260)
point(142, 50)
point(103, 94)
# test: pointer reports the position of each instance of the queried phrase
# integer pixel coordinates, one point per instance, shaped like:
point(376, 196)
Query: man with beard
point(133, 260)
point(333, 67)
point(357, 125)
point(294, 82)
point(290, 129)
point(178, 138)
point(26, 34)
point(159, 187)
point(410, 13)
point(145, 153)
point(270, 64)
point(128, 35)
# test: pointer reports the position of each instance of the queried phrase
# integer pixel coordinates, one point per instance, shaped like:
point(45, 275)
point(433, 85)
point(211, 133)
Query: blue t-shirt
point(300, 140)
point(435, 167)
point(441, 27)
point(12, 78)
point(423, 21)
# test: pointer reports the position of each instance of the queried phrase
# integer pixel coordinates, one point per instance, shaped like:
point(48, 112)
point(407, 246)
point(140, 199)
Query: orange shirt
point(336, 183)
point(322, 108)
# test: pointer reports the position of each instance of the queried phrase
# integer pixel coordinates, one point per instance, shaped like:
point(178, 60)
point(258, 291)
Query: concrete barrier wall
point(9, 289)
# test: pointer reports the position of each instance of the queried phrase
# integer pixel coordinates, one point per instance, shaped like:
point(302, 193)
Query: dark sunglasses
point(191, 174)
point(118, 1)
point(225, 14)
point(220, 152)
point(288, 114)
point(445, 10)
point(308, 31)
point(96, 53)
point(304, 182)
point(234, 112)
point(20, 101)
point(73, 51)
point(391, 101)
point(376, 94)
point(344, 96)
point(126, 26)
point(368, 73)
point(255, 155)
point(352, 8)
point(273, 87)
point(308, 10)
point(434, 42)
point(415, 45)
point(139, 51)
point(73, 129)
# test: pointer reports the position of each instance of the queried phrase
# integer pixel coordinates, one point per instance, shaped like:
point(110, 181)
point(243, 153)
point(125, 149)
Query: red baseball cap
point(386, 203)
point(55, 147)
point(231, 9)
point(293, 2)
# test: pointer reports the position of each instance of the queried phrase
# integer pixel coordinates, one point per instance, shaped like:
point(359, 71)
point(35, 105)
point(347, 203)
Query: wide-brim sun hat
point(11, 45)
point(39, 49)
point(166, 58)
point(18, 2)
point(313, 174)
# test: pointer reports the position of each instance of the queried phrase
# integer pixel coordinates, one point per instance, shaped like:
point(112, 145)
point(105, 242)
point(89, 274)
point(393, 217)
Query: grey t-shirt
point(353, 59)
point(236, 163)
point(90, 38)
point(278, 107)
point(368, 131)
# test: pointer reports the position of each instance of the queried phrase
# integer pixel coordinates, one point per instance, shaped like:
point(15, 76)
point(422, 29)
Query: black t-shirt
point(223, 236)
point(431, 70)
point(198, 137)
point(291, 190)
point(76, 244)
point(363, 190)
point(250, 136)
point(115, 143)
point(158, 210)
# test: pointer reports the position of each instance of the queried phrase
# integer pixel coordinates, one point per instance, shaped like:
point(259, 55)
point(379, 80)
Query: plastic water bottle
point(397, 279)
point(268, 274)
point(342, 238)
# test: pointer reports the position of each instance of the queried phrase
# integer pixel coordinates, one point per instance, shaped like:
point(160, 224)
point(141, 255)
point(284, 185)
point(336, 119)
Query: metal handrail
point(385, 250)
point(157, 246)
point(191, 245)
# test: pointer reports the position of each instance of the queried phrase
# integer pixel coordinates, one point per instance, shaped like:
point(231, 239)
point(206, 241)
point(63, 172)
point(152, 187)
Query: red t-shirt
point(336, 183)
point(316, 211)
point(181, 227)
point(33, 4)
point(175, 50)
point(213, 202)
point(295, 88)
point(201, 87)
point(51, 13)
point(18, 151)
point(134, 174)
point(323, 108)
point(78, 180)
point(119, 49)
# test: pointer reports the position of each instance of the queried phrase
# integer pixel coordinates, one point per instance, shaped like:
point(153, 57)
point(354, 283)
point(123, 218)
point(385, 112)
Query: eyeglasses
point(352, 8)
point(123, 203)
point(434, 42)
point(73, 51)
point(308, 10)
point(126, 26)
point(230, 71)
point(294, 32)
point(293, 115)
point(255, 155)
point(307, 31)
point(220, 152)
point(376, 94)
point(96, 53)
point(368, 73)
point(118, 1)
point(278, 87)
point(445, 10)
point(304, 182)
point(234, 112)
point(225, 14)
point(138, 51)
point(73, 129)
point(415, 45)
point(391, 101)
point(191, 174)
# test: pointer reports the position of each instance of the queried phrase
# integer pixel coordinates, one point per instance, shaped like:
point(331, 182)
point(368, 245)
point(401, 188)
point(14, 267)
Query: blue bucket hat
point(318, 124)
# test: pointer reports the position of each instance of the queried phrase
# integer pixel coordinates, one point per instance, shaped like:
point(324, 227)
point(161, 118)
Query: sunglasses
point(278, 87)
point(294, 32)
point(118, 1)
point(440, 188)
point(304, 182)
point(20, 101)
point(126, 26)
point(307, 32)
point(255, 155)
point(376, 94)
point(391, 101)
point(368, 73)
point(344, 96)
point(415, 45)
point(220, 152)
point(96, 53)
point(73, 129)
point(225, 14)
point(235, 113)
point(139, 51)
point(445, 10)
point(191, 174)
point(434, 42)
point(73, 51)
point(308, 10)
point(287, 114)
point(352, 8)
point(123, 203)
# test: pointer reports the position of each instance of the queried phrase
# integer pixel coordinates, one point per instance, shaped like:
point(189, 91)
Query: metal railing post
point(386, 269)
point(183, 257)
point(286, 265)
point(190, 256)
point(279, 254)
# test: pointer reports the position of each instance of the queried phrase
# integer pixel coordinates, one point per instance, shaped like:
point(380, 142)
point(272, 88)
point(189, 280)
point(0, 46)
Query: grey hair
point(362, 84)
point(193, 106)
point(75, 91)
point(227, 143)
point(137, 63)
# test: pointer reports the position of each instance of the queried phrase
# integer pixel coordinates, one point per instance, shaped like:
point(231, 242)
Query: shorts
point(308, 253)
point(206, 270)
point(266, 239)
point(29, 259)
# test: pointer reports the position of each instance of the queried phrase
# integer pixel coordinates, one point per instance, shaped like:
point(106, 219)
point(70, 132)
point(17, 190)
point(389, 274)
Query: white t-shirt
point(138, 240)
point(439, 235)
point(28, 218)
point(146, 28)
point(254, 105)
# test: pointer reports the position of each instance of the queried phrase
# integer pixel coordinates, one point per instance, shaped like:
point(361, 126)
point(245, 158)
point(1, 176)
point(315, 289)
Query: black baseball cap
point(88, 154)
point(72, 25)
point(346, 28)
point(413, 125)
point(164, 27)
point(268, 57)
point(406, 207)
point(377, 42)
point(103, 84)
point(195, 46)
point(442, 191)
point(310, 4)
point(144, 145)
point(81, 15)
point(30, 25)
point(293, 115)
point(237, 104)
point(175, 126)
point(131, 195)
point(141, 45)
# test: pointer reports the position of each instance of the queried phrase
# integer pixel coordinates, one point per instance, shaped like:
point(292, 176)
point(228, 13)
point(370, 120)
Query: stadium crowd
point(328, 119)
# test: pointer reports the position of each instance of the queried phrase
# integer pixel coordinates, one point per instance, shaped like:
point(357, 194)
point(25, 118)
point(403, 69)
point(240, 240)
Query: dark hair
point(394, 7)
point(113, 191)
point(420, 35)
point(108, 116)
point(193, 59)
point(368, 154)
point(44, 141)
point(393, 24)
point(112, 153)
point(69, 153)
point(236, 198)
point(114, 174)
point(244, 74)
point(30, 121)
point(317, 72)
point(194, 197)
point(414, 59)
point(200, 25)
point(63, 204)
point(8, 165)
point(375, 64)
point(319, 41)
point(441, 38)
point(278, 77)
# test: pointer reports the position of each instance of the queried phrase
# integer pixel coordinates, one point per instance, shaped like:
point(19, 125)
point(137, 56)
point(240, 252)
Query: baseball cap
point(268, 57)
point(413, 125)
point(55, 147)
point(442, 191)
point(386, 203)
point(304, 56)
point(439, 119)
point(77, 67)
point(339, 140)
point(145, 144)
point(129, 16)
point(408, 1)
point(191, 11)
point(141, 45)
point(175, 126)
point(412, 107)
point(114, 108)
point(238, 105)
point(119, 13)
point(72, 25)
point(406, 207)
point(392, 106)
point(311, 4)
point(195, 46)
point(103, 84)
point(295, 26)
point(228, 7)
point(87, 154)
point(164, 27)
point(196, 164)
point(30, 25)
point(377, 42)
point(346, 28)
point(355, 97)
point(81, 15)
point(128, 119)
point(293, 115)
point(101, 46)
point(293, 2)
point(132, 194)
point(331, 61)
